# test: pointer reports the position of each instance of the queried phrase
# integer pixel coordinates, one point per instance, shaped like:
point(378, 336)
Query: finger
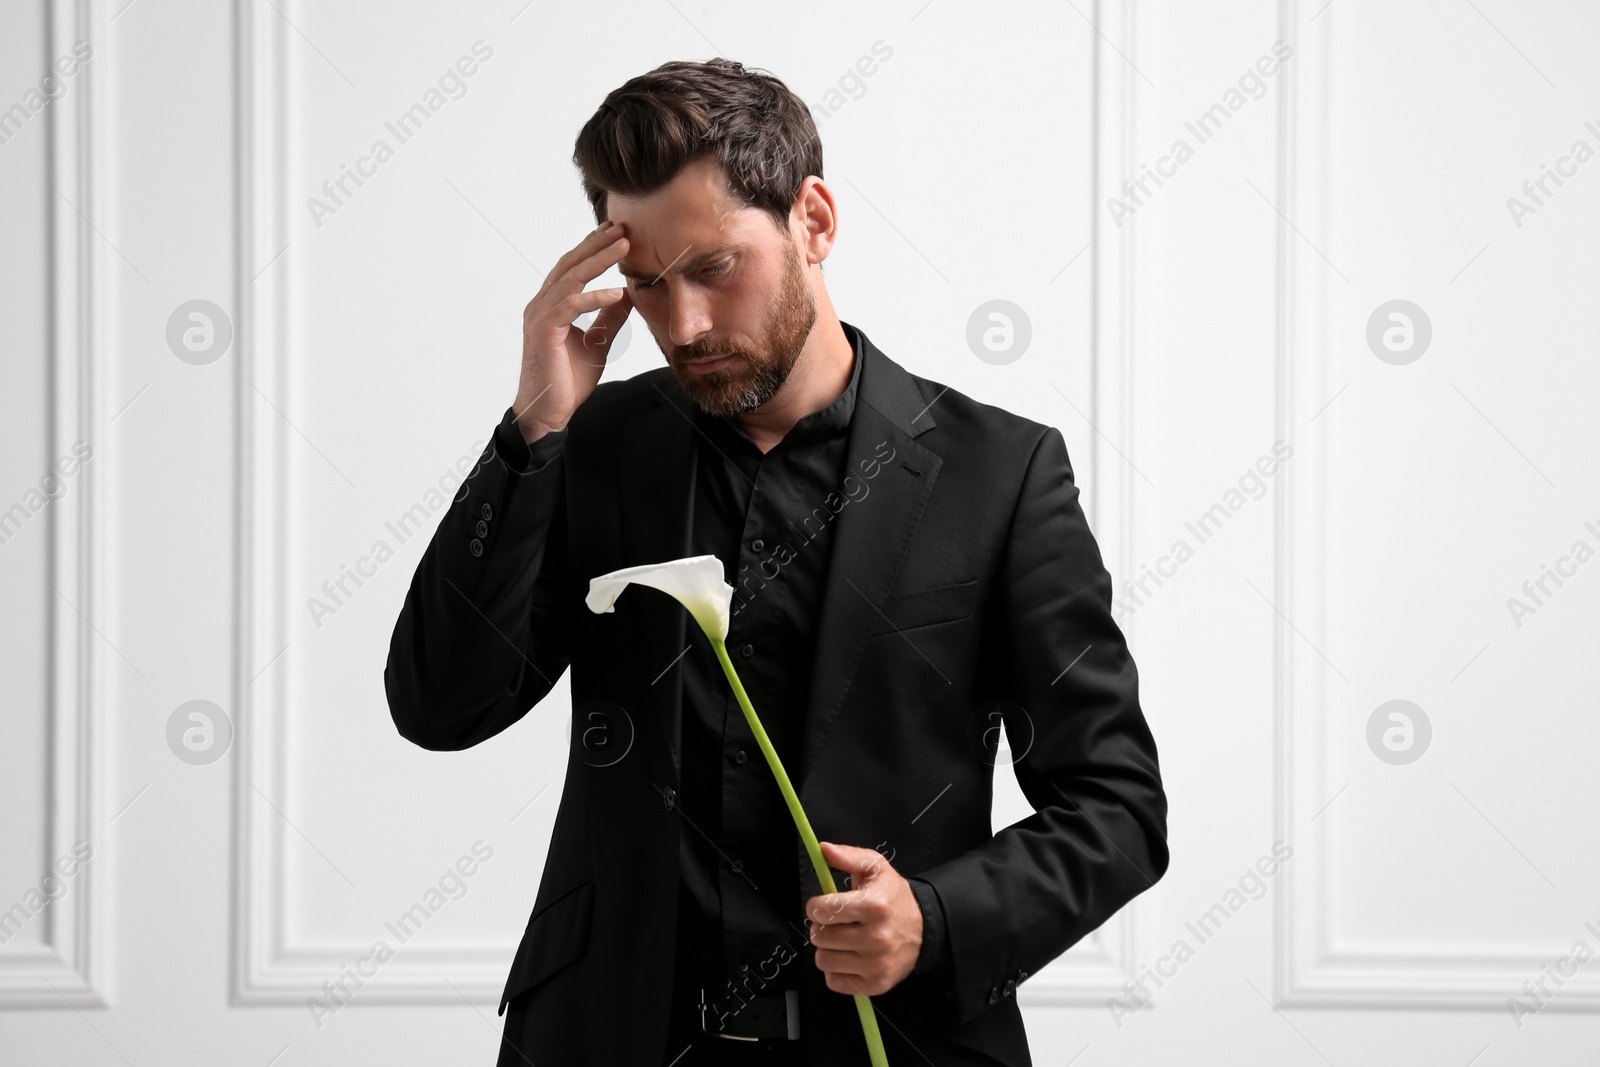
point(841, 962)
point(591, 267)
point(867, 863)
point(613, 315)
point(594, 241)
point(855, 939)
point(835, 909)
point(585, 302)
point(602, 332)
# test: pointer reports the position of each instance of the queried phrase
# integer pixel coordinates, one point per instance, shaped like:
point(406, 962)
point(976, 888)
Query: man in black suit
point(913, 575)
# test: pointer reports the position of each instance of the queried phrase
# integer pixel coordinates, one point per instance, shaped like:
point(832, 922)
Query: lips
point(713, 363)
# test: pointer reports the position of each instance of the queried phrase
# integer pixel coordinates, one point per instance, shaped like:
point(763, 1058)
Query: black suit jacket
point(966, 594)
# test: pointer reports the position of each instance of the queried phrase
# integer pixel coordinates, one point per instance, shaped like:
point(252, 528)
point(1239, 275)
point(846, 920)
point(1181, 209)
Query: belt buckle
point(791, 1010)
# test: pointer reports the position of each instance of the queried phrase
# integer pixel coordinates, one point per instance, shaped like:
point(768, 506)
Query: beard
point(754, 377)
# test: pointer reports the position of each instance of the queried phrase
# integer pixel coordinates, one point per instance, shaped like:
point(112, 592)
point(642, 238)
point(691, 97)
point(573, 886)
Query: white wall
point(1178, 339)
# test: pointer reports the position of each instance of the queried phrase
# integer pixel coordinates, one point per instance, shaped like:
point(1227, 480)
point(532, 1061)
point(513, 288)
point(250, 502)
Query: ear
point(817, 217)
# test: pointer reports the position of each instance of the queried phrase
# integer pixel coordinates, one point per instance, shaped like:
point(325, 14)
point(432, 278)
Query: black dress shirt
point(766, 516)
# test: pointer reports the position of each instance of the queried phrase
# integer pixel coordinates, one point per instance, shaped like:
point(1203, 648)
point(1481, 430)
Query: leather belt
point(774, 1015)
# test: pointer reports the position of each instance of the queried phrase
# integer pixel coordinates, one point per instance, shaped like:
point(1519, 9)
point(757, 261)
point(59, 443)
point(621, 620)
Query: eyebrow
point(689, 264)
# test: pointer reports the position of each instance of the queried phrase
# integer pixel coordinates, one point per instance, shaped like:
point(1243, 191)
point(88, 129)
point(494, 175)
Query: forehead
point(689, 220)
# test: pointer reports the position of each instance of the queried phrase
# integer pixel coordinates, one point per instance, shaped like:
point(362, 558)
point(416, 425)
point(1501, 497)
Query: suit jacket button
point(669, 797)
point(476, 547)
point(994, 995)
point(1011, 987)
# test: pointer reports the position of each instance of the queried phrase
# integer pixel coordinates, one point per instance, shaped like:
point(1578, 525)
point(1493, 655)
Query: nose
point(687, 320)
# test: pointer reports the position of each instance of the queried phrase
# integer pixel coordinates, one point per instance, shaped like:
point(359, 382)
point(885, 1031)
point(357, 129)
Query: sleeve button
point(483, 528)
point(994, 995)
point(488, 512)
point(1011, 987)
point(476, 547)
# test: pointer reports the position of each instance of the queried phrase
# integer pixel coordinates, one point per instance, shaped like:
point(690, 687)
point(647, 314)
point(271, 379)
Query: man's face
point(713, 277)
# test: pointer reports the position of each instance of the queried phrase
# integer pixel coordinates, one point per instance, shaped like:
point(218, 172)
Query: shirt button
point(758, 544)
point(488, 512)
point(740, 757)
point(476, 547)
point(669, 797)
point(483, 528)
point(747, 650)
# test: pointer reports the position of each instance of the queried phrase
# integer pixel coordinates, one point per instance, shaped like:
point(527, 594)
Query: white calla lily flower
point(695, 581)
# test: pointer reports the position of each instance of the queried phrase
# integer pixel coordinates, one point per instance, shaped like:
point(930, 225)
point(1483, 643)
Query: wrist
point(533, 429)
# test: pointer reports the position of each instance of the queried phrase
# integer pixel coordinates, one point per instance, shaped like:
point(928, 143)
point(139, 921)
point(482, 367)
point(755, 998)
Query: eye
point(709, 272)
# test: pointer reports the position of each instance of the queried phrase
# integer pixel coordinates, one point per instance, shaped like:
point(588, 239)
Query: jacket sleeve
point(1083, 756)
point(483, 634)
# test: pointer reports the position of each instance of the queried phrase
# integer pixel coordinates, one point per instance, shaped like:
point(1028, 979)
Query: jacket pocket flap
point(924, 607)
point(556, 935)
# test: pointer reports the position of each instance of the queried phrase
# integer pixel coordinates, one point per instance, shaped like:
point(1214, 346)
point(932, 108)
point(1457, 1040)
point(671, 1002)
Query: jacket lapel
point(871, 535)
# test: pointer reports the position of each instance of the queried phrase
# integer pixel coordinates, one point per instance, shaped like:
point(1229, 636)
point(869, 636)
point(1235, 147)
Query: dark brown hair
point(653, 125)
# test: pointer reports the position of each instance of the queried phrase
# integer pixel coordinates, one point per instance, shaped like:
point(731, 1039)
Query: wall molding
point(69, 969)
point(1108, 958)
point(267, 967)
point(1311, 970)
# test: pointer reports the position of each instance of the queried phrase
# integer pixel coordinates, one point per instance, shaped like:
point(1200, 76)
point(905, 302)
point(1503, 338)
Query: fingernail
point(608, 227)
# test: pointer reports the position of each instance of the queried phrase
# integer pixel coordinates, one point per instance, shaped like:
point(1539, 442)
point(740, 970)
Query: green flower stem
point(869, 1018)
